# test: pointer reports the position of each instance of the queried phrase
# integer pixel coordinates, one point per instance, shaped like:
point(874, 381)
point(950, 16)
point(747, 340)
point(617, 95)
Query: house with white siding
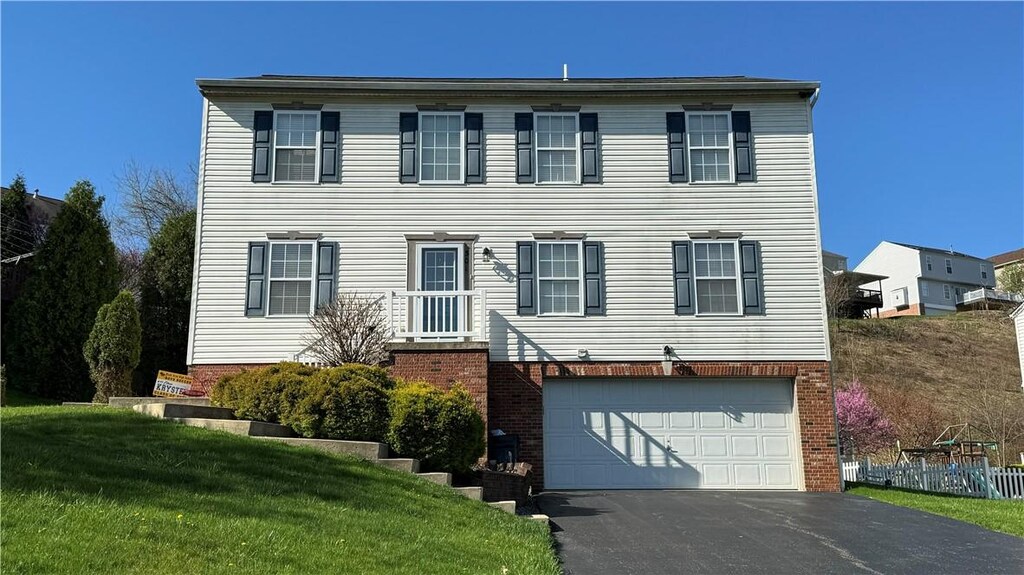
point(625, 273)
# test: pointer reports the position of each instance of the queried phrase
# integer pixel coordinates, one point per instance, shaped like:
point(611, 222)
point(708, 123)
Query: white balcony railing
point(439, 315)
point(987, 294)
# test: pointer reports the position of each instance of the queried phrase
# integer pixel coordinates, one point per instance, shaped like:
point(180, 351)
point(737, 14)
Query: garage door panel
point(693, 433)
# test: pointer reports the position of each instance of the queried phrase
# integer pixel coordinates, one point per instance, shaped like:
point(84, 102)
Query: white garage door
point(669, 433)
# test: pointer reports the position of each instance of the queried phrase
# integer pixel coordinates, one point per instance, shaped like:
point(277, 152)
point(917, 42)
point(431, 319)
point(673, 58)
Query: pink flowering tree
point(862, 425)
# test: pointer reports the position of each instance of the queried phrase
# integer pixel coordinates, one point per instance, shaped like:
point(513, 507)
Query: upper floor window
point(717, 277)
point(557, 148)
point(295, 141)
point(984, 271)
point(710, 146)
point(291, 278)
point(559, 278)
point(949, 266)
point(441, 148)
point(928, 262)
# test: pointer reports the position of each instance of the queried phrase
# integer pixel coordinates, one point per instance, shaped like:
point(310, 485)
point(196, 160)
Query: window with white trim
point(557, 148)
point(924, 289)
point(949, 266)
point(709, 145)
point(984, 271)
point(717, 278)
point(559, 278)
point(441, 148)
point(295, 142)
point(928, 262)
point(291, 278)
point(946, 292)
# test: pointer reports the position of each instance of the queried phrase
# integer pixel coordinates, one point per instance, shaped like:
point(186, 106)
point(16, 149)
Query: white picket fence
point(978, 480)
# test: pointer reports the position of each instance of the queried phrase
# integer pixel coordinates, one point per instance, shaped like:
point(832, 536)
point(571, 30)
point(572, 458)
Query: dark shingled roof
point(942, 250)
point(1008, 257)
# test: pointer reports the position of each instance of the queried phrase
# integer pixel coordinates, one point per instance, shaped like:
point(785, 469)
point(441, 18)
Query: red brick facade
point(509, 395)
point(516, 404)
point(916, 309)
point(204, 376)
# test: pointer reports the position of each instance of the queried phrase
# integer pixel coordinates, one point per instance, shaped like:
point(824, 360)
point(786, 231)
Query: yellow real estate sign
point(169, 384)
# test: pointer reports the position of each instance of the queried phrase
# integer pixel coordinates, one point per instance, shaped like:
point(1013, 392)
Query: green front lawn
point(995, 514)
point(95, 490)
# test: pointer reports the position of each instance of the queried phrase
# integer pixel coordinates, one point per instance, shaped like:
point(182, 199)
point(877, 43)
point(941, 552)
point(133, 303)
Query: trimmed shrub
point(442, 429)
point(113, 348)
point(340, 403)
point(263, 394)
point(377, 375)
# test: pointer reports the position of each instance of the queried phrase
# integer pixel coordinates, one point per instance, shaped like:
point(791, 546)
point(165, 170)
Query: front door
point(440, 271)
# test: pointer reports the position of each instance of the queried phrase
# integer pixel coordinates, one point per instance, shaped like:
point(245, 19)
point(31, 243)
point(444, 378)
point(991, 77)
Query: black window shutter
point(327, 273)
point(753, 286)
point(525, 278)
point(262, 132)
point(591, 168)
point(744, 146)
point(256, 279)
point(408, 125)
point(524, 148)
point(676, 128)
point(330, 146)
point(474, 123)
point(593, 278)
point(683, 277)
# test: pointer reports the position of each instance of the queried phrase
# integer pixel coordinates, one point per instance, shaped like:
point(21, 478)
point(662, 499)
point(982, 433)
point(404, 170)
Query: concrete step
point(407, 465)
point(83, 404)
point(238, 426)
point(184, 410)
point(439, 478)
point(132, 401)
point(365, 449)
point(541, 518)
point(472, 492)
point(506, 506)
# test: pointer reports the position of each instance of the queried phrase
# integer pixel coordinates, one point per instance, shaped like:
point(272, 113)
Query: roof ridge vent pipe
point(565, 72)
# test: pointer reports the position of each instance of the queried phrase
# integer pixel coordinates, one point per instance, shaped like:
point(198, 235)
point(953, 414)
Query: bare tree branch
point(352, 329)
point(148, 197)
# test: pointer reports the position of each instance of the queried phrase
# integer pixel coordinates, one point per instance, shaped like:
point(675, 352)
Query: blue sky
point(918, 130)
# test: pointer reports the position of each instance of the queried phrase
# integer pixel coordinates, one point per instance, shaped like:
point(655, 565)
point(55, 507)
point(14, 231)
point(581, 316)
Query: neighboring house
point(18, 266)
point(930, 281)
point(851, 299)
point(624, 273)
point(1002, 261)
point(1018, 324)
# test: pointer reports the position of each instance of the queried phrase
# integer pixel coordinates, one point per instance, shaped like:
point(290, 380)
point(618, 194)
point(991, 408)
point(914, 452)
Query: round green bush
point(443, 429)
point(263, 394)
point(339, 403)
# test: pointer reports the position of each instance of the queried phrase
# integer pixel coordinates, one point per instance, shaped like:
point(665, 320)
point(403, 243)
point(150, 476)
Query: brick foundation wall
point(204, 376)
point(516, 404)
point(916, 309)
point(445, 367)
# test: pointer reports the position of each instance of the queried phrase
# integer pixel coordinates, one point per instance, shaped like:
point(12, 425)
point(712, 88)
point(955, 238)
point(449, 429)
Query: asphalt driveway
point(654, 532)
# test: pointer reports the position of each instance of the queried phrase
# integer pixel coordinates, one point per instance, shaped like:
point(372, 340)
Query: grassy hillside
point(930, 372)
point(93, 490)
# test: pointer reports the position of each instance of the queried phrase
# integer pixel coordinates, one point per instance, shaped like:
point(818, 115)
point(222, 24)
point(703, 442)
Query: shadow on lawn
point(126, 457)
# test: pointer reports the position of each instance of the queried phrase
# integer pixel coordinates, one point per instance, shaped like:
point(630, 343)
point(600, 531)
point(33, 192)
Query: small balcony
point(984, 296)
point(438, 315)
point(866, 297)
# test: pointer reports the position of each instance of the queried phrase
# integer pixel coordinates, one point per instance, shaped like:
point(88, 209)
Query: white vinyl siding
point(559, 278)
point(709, 144)
point(291, 278)
point(557, 148)
point(295, 142)
point(441, 148)
point(634, 211)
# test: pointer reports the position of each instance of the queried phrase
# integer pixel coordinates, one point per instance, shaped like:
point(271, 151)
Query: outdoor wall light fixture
point(582, 353)
point(488, 254)
point(666, 364)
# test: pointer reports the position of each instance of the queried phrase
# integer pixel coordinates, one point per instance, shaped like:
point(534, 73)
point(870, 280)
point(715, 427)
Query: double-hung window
point(984, 271)
point(291, 278)
point(949, 266)
point(946, 293)
point(709, 141)
point(717, 277)
point(295, 143)
point(558, 148)
point(441, 148)
point(559, 278)
point(928, 262)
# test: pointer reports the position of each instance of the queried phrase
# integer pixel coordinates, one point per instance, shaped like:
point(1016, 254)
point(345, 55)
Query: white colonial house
point(625, 273)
